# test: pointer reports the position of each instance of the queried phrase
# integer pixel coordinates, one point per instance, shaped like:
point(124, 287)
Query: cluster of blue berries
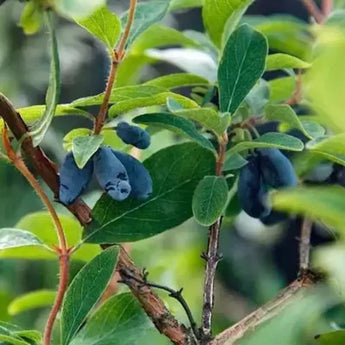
point(118, 173)
point(266, 169)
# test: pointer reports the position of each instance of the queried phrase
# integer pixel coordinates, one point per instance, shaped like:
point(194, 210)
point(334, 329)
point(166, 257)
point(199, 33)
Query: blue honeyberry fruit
point(251, 190)
point(277, 170)
point(111, 174)
point(73, 181)
point(139, 178)
point(133, 135)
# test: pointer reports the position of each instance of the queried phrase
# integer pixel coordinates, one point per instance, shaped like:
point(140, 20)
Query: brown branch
point(116, 58)
point(296, 96)
point(313, 10)
point(212, 256)
point(47, 170)
point(151, 303)
point(304, 247)
point(267, 311)
point(62, 250)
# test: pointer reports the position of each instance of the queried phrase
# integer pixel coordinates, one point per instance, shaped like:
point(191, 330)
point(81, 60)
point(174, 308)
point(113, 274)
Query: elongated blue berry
point(133, 135)
point(73, 181)
point(139, 178)
point(111, 174)
point(251, 190)
point(277, 170)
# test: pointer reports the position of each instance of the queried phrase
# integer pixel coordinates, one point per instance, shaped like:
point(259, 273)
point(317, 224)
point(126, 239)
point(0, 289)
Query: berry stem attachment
point(117, 56)
point(63, 251)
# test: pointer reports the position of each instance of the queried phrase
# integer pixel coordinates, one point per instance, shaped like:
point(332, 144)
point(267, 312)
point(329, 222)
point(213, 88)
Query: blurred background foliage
point(258, 261)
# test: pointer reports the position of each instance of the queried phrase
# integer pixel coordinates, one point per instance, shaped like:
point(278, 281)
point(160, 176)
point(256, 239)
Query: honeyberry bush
point(250, 125)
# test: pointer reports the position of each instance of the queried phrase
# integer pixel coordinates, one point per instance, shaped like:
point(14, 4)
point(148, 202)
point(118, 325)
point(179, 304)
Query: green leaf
point(258, 97)
point(331, 338)
point(241, 66)
point(83, 148)
point(119, 94)
point(84, 292)
point(284, 113)
point(183, 4)
point(144, 102)
point(32, 300)
point(161, 36)
point(53, 91)
point(74, 133)
point(276, 140)
point(331, 148)
point(78, 9)
point(325, 204)
point(177, 80)
point(209, 200)
point(208, 118)
point(111, 323)
point(103, 24)
point(282, 88)
point(146, 14)
point(328, 69)
point(282, 61)
point(40, 225)
point(36, 111)
point(32, 17)
point(14, 238)
point(219, 13)
point(234, 162)
point(284, 33)
point(175, 173)
point(177, 124)
point(10, 339)
point(30, 334)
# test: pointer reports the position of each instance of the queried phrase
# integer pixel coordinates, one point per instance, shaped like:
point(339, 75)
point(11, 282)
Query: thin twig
point(62, 249)
point(267, 311)
point(327, 7)
point(154, 307)
point(313, 10)
point(304, 247)
point(176, 294)
point(212, 256)
point(116, 57)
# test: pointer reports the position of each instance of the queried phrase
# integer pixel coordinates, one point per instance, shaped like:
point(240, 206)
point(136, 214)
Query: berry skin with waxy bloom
point(251, 190)
point(73, 181)
point(139, 178)
point(111, 174)
point(133, 135)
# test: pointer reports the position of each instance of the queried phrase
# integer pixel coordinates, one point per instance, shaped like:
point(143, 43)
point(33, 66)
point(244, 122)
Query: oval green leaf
point(84, 292)
point(275, 140)
point(32, 300)
point(241, 66)
point(177, 124)
point(111, 323)
point(282, 61)
point(209, 200)
point(14, 238)
point(325, 204)
point(84, 147)
point(175, 172)
point(331, 338)
point(103, 24)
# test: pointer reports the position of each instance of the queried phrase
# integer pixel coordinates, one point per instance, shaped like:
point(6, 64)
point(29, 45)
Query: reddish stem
point(327, 7)
point(313, 10)
point(63, 250)
point(116, 58)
